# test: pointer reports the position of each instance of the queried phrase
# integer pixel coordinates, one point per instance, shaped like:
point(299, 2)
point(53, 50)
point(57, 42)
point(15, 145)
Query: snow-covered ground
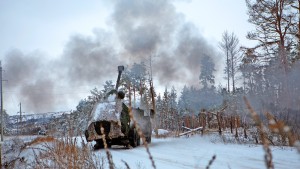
point(197, 151)
point(192, 152)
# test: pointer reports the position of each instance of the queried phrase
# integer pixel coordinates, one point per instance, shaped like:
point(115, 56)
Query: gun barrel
point(120, 69)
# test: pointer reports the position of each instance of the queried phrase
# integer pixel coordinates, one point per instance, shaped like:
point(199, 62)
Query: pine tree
point(207, 77)
point(174, 118)
point(165, 110)
point(108, 86)
point(274, 21)
point(159, 111)
point(183, 102)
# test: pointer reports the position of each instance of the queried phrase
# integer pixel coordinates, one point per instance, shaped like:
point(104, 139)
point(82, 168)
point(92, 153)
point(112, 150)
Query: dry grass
point(49, 152)
point(38, 140)
point(280, 128)
point(108, 154)
point(66, 153)
point(265, 142)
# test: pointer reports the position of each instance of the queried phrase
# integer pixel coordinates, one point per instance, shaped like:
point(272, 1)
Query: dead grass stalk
point(260, 126)
point(108, 154)
point(211, 161)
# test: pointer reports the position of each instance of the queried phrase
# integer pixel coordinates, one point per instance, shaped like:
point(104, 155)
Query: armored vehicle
point(110, 121)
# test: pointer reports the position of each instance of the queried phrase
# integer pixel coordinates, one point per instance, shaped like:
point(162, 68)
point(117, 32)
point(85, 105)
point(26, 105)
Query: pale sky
point(47, 25)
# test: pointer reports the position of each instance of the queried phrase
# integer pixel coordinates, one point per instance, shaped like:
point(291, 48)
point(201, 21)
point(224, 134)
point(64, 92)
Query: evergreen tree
point(165, 110)
point(108, 86)
point(207, 79)
point(159, 109)
point(184, 100)
point(5, 119)
point(96, 96)
point(174, 118)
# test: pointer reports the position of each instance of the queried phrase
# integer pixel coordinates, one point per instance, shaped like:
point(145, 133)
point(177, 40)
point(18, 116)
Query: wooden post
point(236, 131)
point(245, 133)
point(231, 124)
point(219, 122)
point(208, 117)
point(202, 119)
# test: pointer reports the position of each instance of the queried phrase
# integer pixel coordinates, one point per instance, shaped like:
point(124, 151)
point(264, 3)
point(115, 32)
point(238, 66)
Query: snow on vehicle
point(110, 121)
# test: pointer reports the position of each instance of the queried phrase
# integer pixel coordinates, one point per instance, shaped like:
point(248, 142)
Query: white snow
point(197, 151)
point(111, 98)
point(193, 152)
point(161, 132)
point(104, 111)
point(109, 110)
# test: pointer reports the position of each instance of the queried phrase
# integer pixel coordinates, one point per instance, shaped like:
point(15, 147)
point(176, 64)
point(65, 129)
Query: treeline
point(267, 74)
point(270, 70)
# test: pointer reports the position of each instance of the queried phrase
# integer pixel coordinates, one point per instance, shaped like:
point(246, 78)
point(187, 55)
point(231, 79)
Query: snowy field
point(192, 152)
point(197, 151)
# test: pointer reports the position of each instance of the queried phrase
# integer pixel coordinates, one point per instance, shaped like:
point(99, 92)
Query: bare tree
point(296, 27)
point(274, 21)
point(229, 45)
point(224, 45)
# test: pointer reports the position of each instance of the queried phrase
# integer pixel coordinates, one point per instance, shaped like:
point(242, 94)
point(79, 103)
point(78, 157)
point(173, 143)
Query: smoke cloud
point(154, 28)
point(139, 29)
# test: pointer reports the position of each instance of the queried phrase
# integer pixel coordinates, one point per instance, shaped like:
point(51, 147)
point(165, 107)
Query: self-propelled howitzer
point(110, 121)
